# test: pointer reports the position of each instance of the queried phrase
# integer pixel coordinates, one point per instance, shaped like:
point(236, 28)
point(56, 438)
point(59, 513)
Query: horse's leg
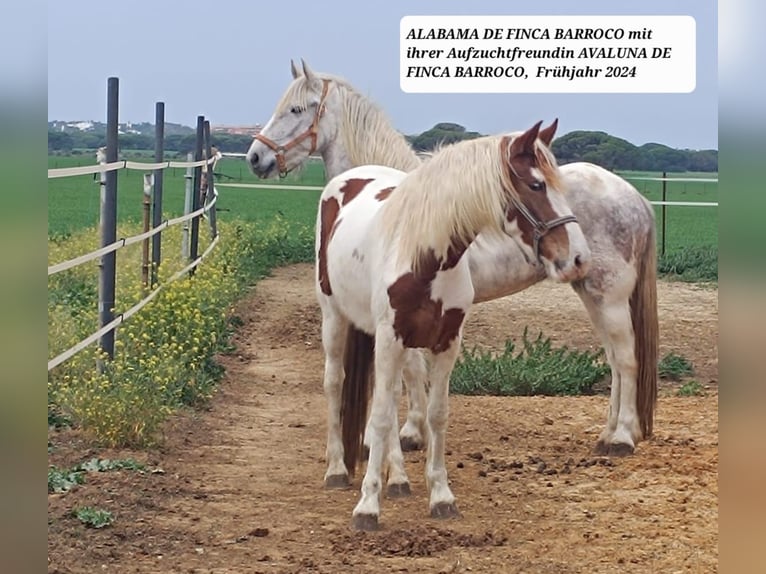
point(442, 501)
point(334, 332)
point(412, 435)
point(611, 317)
point(398, 484)
point(389, 358)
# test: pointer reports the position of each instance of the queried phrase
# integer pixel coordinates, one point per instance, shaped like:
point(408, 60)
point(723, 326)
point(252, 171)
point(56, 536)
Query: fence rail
point(107, 166)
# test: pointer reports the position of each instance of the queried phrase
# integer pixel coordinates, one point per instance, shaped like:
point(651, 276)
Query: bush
point(691, 264)
point(537, 369)
point(165, 353)
point(674, 367)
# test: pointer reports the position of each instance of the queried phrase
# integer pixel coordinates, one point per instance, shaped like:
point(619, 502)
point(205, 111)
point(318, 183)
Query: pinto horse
point(323, 113)
point(391, 276)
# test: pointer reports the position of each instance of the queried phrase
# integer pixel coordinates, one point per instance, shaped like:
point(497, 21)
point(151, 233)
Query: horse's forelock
point(300, 90)
point(548, 165)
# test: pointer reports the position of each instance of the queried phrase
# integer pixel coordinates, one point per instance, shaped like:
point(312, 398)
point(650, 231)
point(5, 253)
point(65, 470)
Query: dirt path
point(239, 488)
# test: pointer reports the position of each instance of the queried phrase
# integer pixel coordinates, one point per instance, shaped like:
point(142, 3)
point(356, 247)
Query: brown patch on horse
point(519, 171)
point(352, 188)
point(454, 253)
point(383, 194)
point(419, 321)
point(329, 213)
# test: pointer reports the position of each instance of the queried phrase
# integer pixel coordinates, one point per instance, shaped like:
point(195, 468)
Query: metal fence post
point(664, 199)
point(193, 248)
point(209, 190)
point(147, 206)
point(188, 177)
point(159, 152)
point(107, 267)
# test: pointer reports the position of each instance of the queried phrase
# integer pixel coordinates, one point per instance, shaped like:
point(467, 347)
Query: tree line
point(596, 147)
point(600, 148)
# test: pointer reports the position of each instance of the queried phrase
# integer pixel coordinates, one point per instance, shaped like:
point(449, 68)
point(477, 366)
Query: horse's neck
point(336, 158)
point(386, 148)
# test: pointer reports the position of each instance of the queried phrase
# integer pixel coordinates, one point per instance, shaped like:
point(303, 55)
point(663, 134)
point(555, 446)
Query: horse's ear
point(294, 70)
point(546, 134)
point(525, 143)
point(310, 75)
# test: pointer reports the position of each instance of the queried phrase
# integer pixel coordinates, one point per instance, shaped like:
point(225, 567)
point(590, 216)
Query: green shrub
point(674, 367)
point(537, 369)
point(691, 264)
point(691, 389)
point(93, 517)
point(165, 353)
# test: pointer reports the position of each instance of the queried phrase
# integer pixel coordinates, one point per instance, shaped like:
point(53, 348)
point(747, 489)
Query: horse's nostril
point(254, 159)
point(578, 261)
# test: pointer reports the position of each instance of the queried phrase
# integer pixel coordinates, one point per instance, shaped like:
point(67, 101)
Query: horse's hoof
point(366, 522)
point(410, 444)
point(337, 481)
point(445, 510)
point(618, 449)
point(601, 448)
point(398, 490)
point(621, 449)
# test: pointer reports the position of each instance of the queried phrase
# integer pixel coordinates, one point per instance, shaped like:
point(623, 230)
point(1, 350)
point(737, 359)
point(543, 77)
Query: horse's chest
point(420, 320)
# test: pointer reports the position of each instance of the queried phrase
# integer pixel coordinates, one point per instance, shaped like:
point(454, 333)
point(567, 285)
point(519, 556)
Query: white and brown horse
point(391, 276)
point(324, 114)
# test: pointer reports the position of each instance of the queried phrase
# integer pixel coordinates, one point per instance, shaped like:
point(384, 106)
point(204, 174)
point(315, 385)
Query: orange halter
point(279, 150)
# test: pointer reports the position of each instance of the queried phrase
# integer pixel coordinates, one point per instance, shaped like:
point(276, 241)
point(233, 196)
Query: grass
point(64, 479)
point(674, 367)
point(93, 517)
point(684, 226)
point(538, 368)
point(164, 355)
point(691, 389)
point(74, 202)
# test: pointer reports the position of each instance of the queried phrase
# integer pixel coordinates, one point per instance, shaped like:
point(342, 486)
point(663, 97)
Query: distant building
point(237, 130)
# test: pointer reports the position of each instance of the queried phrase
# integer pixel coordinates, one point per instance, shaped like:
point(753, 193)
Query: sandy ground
point(238, 487)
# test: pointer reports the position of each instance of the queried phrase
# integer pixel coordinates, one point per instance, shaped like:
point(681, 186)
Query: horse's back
point(352, 256)
point(598, 190)
point(617, 220)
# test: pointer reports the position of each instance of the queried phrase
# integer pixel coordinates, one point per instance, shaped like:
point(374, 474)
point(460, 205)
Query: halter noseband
point(540, 228)
point(279, 150)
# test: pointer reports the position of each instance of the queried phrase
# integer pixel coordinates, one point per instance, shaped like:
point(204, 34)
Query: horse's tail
point(355, 396)
point(643, 314)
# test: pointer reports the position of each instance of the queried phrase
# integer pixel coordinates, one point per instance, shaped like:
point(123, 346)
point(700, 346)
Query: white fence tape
point(64, 265)
point(124, 164)
point(127, 314)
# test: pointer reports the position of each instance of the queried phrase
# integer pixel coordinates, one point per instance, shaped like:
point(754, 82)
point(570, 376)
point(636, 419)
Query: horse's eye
point(537, 186)
point(296, 110)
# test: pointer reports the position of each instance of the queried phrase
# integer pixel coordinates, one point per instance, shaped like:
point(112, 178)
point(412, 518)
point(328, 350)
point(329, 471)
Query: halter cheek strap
point(540, 228)
point(311, 132)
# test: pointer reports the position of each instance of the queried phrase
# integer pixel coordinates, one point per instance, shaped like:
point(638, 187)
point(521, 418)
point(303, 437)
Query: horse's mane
point(368, 135)
point(462, 189)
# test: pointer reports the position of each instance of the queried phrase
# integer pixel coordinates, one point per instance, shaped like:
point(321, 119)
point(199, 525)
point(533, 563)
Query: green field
point(73, 202)
point(685, 226)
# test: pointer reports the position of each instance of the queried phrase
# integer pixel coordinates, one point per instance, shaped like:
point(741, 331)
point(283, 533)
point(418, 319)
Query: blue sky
point(235, 71)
